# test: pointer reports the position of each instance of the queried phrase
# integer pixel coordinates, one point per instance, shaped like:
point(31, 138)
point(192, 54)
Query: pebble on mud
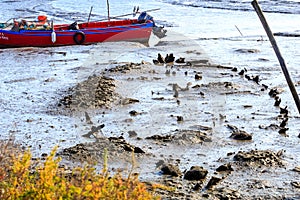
point(213, 182)
point(238, 134)
point(297, 169)
point(179, 118)
point(169, 169)
point(195, 173)
point(283, 131)
point(132, 133)
point(241, 135)
point(133, 113)
point(127, 101)
point(198, 76)
point(225, 168)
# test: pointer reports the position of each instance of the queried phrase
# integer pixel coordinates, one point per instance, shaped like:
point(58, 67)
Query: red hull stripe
point(92, 33)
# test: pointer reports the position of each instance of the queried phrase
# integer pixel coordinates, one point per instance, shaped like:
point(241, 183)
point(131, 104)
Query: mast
point(108, 17)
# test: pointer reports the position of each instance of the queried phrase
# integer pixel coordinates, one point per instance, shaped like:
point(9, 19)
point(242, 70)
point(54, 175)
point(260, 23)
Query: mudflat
point(206, 130)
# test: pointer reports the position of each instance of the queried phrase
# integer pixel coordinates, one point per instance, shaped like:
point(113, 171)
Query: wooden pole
point(278, 54)
point(108, 17)
point(239, 30)
point(90, 14)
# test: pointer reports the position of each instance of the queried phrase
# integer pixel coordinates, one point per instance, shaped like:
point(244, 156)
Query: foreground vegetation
point(21, 178)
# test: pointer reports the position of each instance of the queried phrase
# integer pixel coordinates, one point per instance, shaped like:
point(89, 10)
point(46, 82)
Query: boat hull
point(88, 33)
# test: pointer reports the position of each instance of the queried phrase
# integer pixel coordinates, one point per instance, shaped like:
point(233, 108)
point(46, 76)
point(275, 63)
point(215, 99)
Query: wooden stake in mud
point(238, 30)
point(278, 54)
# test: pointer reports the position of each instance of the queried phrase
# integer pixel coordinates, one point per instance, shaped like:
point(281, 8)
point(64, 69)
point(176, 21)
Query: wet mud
point(190, 126)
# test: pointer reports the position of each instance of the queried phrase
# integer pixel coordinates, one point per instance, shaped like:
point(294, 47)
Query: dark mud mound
point(238, 134)
point(261, 157)
point(182, 137)
point(79, 152)
point(118, 149)
point(125, 67)
point(95, 92)
point(170, 169)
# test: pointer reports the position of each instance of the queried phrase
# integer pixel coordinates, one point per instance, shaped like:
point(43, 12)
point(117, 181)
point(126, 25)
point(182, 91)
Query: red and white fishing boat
point(43, 33)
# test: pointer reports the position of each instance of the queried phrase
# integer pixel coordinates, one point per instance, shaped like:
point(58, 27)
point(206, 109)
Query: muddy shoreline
point(235, 129)
point(173, 148)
